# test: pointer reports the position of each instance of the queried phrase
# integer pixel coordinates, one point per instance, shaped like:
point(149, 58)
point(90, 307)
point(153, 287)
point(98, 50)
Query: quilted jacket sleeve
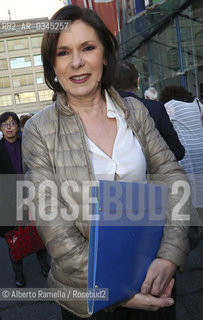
point(163, 168)
point(62, 238)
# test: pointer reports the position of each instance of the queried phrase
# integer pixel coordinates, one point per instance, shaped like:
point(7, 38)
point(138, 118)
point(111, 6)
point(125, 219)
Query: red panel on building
point(106, 9)
point(80, 3)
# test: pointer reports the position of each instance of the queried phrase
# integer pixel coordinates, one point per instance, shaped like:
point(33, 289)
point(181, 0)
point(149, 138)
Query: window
point(39, 77)
point(25, 97)
point(20, 62)
point(37, 60)
point(36, 42)
point(6, 100)
point(22, 80)
point(4, 82)
point(45, 95)
point(18, 44)
point(2, 49)
point(3, 64)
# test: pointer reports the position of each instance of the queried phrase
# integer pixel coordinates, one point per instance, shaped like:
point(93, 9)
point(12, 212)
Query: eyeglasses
point(10, 124)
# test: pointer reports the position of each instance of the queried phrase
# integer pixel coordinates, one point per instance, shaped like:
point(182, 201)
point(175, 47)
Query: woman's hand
point(158, 277)
point(150, 303)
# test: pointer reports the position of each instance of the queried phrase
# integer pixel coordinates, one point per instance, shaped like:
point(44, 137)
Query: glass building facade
point(165, 43)
point(162, 38)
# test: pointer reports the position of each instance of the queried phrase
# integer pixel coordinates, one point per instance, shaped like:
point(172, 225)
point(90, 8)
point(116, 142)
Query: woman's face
point(79, 61)
point(9, 128)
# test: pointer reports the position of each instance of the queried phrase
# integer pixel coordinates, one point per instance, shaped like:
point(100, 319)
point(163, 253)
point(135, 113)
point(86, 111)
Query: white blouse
point(128, 162)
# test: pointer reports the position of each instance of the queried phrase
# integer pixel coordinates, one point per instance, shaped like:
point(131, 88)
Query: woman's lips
point(80, 78)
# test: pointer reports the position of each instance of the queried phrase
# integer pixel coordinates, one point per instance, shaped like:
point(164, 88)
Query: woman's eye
point(88, 48)
point(62, 53)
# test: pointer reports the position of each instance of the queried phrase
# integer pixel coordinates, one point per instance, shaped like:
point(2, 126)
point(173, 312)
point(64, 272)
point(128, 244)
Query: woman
point(10, 172)
point(76, 140)
point(185, 112)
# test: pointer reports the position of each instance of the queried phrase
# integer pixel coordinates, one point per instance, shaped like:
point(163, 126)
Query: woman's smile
point(80, 78)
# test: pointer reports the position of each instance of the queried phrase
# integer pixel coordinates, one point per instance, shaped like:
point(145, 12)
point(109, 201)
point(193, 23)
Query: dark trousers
point(126, 314)
point(200, 212)
point(18, 265)
point(167, 313)
point(118, 314)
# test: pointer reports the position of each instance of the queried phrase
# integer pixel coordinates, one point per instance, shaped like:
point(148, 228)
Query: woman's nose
point(77, 61)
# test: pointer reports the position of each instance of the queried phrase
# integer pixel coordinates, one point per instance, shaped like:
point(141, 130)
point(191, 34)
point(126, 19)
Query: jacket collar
point(63, 107)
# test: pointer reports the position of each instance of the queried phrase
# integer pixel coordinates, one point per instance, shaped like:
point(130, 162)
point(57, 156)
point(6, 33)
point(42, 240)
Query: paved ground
point(189, 290)
point(25, 310)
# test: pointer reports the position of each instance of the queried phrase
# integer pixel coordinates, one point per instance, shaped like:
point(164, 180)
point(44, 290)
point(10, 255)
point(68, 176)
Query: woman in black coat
point(10, 173)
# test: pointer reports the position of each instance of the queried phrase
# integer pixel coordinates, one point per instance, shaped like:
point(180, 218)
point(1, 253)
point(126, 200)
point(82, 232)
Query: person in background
point(126, 83)
point(151, 94)
point(23, 119)
point(89, 132)
point(185, 112)
point(10, 169)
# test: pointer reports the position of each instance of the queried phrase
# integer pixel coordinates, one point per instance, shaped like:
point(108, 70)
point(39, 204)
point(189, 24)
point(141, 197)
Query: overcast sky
point(26, 9)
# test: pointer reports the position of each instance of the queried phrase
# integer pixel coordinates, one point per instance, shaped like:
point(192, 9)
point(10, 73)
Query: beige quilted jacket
point(55, 151)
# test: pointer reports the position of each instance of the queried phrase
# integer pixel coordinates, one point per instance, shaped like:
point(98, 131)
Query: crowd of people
point(98, 127)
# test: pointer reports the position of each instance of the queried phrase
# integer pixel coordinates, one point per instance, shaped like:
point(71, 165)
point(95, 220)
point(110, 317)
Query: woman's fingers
point(148, 302)
point(158, 276)
point(169, 288)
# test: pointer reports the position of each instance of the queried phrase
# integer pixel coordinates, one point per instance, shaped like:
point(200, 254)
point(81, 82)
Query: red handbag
point(23, 241)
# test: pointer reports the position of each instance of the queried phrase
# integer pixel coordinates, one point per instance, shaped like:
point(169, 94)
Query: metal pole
point(149, 59)
point(180, 54)
point(194, 58)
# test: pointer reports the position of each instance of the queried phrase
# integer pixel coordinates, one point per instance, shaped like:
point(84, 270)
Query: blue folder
point(125, 234)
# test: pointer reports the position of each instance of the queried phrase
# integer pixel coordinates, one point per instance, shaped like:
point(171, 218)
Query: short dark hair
point(23, 119)
point(4, 116)
point(126, 76)
point(49, 44)
point(177, 93)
